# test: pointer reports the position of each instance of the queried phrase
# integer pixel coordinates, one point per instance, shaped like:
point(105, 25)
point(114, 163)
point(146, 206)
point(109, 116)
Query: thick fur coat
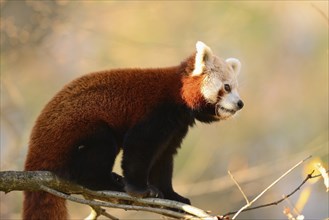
point(146, 113)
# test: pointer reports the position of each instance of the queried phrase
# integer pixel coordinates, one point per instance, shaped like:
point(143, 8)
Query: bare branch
point(269, 187)
point(97, 211)
point(237, 184)
point(31, 180)
point(309, 176)
point(48, 182)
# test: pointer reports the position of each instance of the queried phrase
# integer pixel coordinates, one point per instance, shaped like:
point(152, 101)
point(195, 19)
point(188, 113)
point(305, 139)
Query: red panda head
point(212, 84)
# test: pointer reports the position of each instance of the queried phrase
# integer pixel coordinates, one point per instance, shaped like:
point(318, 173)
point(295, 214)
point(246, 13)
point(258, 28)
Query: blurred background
point(283, 47)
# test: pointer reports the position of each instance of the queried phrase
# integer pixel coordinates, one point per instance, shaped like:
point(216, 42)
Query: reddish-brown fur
point(191, 91)
point(94, 98)
point(41, 206)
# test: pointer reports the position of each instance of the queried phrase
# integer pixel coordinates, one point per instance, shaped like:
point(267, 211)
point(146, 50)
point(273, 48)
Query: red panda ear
point(203, 55)
point(235, 64)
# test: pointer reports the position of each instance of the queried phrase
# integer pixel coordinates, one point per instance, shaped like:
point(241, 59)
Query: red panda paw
point(176, 197)
point(139, 192)
point(155, 192)
point(117, 182)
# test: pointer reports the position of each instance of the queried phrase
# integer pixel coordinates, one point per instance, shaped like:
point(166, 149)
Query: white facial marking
point(218, 72)
point(211, 88)
point(228, 105)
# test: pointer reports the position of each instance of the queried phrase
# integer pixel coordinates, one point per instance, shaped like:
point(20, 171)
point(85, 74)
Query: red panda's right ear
point(203, 53)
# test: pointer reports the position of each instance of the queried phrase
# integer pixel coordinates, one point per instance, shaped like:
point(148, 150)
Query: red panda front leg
point(144, 144)
point(161, 177)
point(141, 147)
point(162, 170)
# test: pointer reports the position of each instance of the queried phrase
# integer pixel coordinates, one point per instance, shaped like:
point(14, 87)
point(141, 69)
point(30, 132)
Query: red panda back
point(120, 98)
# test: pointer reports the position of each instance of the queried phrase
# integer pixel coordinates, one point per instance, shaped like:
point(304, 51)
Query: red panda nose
point(240, 104)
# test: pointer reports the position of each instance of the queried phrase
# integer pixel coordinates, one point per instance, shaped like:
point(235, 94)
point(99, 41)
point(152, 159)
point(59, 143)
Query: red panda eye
point(227, 88)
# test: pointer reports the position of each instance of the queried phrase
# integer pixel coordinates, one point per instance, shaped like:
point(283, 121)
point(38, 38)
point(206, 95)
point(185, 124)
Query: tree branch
point(48, 182)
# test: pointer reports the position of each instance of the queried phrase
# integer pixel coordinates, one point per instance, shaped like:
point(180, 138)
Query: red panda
point(146, 113)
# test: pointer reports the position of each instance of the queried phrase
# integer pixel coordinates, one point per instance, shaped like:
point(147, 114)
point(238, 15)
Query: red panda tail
point(42, 205)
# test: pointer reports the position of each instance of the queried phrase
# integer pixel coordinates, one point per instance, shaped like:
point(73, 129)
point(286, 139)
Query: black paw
point(139, 192)
point(176, 197)
point(155, 192)
point(117, 182)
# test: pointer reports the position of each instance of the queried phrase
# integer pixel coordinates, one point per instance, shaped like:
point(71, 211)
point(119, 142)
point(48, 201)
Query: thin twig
point(93, 214)
point(309, 176)
point(237, 184)
point(269, 187)
point(106, 214)
point(96, 211)
point(294, 209)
